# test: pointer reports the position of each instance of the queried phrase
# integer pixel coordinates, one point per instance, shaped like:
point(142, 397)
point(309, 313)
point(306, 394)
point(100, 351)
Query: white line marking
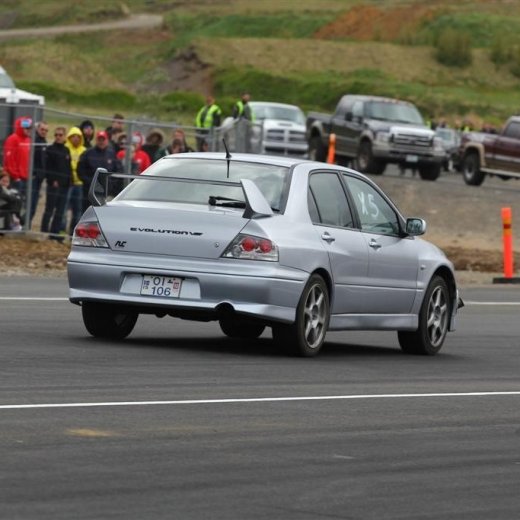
point(491, 303)
point(252, 400)
point(32, 298)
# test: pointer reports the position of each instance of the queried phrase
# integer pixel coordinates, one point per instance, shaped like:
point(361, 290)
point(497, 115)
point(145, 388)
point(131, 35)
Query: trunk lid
point(190, 230)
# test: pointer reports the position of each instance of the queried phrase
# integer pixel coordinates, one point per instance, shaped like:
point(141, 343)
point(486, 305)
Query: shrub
point(500, 51)
point(453, 48)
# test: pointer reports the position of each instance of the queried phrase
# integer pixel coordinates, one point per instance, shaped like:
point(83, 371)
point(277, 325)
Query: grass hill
point(299, 51)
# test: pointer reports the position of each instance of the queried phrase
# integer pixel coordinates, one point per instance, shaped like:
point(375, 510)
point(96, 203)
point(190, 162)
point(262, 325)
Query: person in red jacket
point(140, 159)
point(17, 150)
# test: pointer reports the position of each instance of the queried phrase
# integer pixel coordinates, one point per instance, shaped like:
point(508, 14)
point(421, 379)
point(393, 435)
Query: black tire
point(430, 172)
point(317, 151)
point(434, 318)
point(366, 162)
point(241, 328)
point(108, 321)
point(305, 337)
point(471, 172)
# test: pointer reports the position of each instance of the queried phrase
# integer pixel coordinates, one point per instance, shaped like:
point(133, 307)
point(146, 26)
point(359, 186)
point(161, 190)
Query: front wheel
point(430, 172)
point(433, 322)
point(471, 172)
point(107, 321)
point(241, 328)
point(366, 162)
point(305, 337)
point(317, 151)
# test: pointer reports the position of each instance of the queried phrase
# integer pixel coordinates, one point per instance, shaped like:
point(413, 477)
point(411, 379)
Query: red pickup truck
point(491, 154)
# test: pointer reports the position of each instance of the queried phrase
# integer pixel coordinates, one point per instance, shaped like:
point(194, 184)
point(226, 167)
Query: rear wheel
point(108, 321)
point(306, 335)
point(471, 169)
point(430, 172)
point(241, 328)
point(317, 150)
point(433, 321)
point(366, 162)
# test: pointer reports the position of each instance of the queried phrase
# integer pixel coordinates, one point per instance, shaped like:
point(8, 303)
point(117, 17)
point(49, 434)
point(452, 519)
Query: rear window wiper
point(226, 202)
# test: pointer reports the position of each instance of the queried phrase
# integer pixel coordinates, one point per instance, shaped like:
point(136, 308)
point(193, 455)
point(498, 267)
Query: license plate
point(164, 286)
point(412, 158)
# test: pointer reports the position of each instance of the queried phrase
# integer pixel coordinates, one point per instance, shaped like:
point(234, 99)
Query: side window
point(357, 109)
point(344, 106)
point(375, 214)
point(513, 130)
point(331, 205)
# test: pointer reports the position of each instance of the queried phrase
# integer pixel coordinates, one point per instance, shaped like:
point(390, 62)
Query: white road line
point(32, 298)
point(491, 303)
point(255, 400)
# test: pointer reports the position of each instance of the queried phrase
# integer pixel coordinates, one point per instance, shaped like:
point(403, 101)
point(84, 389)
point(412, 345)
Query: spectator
point(118, 140)
point(17, 149)
point(153, 143)
point(242, 109)
point(59, 174)
point(100, 156)
point(209, 117)
point(40, 147)
point(140, 159)
point(10, 205)
point(116, 126)
point(87, 129)
point(174, 147)
point(75, 195)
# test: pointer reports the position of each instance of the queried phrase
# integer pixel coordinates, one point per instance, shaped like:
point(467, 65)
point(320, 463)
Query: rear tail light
point(89, 234)
point(248, 247)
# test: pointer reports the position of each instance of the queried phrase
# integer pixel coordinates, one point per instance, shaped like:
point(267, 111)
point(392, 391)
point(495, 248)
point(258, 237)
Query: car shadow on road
point(262, 347)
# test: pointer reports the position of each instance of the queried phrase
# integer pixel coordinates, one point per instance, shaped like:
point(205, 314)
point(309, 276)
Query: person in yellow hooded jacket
point(76, 146)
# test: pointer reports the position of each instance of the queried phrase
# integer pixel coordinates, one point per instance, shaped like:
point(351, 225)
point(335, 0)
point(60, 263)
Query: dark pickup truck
point(491, 154)
point(372, 132)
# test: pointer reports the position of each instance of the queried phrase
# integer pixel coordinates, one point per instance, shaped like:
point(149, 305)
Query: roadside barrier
point(331, 156)
point(507, 233)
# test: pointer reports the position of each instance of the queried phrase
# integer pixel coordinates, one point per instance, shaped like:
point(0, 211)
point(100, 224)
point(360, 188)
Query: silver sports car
point(255, 242)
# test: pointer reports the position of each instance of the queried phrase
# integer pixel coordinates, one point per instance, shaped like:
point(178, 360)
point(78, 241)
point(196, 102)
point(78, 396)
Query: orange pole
point(507, 218)
point(331, 156)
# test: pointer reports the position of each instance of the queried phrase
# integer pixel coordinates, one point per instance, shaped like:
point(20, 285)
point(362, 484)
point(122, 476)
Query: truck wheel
point(430, 172)
point(366, 162)
point(317, 151)
point(471, 169)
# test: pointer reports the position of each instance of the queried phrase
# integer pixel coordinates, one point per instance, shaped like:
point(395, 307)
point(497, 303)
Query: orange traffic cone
point(331, 156)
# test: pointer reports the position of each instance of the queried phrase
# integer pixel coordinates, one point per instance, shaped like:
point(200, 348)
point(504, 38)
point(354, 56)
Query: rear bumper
point(267, 292)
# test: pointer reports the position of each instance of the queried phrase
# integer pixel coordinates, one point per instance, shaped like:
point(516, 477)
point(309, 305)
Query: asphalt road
point(180, 422)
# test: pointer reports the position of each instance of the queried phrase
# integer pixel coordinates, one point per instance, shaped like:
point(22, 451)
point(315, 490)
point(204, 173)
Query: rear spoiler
point(256, 204)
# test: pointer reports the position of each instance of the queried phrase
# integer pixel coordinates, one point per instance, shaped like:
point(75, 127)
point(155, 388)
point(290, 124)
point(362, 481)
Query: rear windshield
point(271, 180)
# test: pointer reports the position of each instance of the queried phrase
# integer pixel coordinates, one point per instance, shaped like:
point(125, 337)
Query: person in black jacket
point(100, 156)
point(87, 129)
point(40, 146)
point(58, 177)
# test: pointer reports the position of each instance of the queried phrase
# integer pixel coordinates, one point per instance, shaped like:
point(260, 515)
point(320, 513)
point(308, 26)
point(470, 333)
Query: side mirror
point(348, 116)
point(415, 226)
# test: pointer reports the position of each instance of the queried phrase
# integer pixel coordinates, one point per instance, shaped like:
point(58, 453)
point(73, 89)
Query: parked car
point(255, 242)
point(450, 139)
point(491, 154)
point(282, 130)
point(372, 132)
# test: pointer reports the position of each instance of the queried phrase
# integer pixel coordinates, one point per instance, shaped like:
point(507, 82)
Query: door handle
point(327, 237)
point(374, 245)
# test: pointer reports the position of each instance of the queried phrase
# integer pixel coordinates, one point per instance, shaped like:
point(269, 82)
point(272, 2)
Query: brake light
point(88, 234)
point(248, 247)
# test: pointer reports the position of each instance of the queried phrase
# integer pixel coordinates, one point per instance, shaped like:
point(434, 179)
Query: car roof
point(377, 98)
point(241, 157)
point(272, 104)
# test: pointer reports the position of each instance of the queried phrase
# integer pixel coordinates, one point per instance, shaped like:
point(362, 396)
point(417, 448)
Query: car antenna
point(228, 157)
